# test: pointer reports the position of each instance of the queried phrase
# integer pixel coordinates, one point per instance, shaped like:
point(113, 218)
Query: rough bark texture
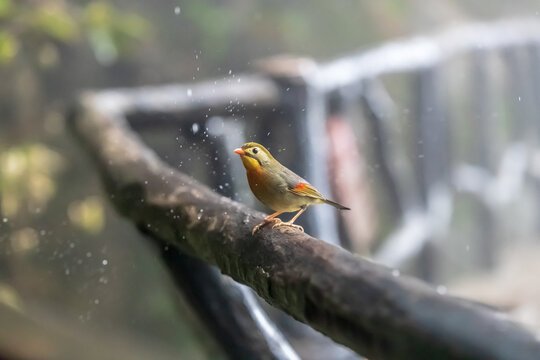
point(354, 301)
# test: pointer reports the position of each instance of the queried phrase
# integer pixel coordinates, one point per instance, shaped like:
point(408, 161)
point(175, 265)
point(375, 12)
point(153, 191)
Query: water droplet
point(177, 10)
point(441, 289)
point(195, 128)
point(5, 220)
point(189, 92)
point(105, 262)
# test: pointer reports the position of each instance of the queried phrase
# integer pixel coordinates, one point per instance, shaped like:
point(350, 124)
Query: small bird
point(278, 187)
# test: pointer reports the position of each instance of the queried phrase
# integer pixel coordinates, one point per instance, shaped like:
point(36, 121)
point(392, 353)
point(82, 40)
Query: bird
point(277, 187)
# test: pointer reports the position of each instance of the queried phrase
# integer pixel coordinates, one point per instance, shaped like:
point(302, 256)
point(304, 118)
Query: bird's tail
point(336, 205)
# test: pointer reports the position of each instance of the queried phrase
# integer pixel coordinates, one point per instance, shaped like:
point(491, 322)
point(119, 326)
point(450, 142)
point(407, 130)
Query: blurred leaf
point(6, 7)
point(133, 26)
point(128, 30)
point(24, 239)
point(88, 214)
point(27, 177)
point(9, 296)
point(103, 45)
point(57, 23)
point(40, 188)
point(44, 160)
point(9, 46)
point(13, 165)
point(112, 33)
point(98, 14)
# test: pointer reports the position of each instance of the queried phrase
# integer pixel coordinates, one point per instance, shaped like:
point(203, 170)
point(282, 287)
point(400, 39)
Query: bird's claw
point(264, 223)
point(257, 227)
point(288, 224)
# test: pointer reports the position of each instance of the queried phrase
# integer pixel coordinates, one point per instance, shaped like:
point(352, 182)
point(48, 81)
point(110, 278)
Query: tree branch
point(355, 302)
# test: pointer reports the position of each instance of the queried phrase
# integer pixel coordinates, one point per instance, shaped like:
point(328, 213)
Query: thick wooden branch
point(354, 301)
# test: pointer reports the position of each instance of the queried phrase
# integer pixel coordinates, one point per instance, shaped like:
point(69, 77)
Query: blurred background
point(70, 260)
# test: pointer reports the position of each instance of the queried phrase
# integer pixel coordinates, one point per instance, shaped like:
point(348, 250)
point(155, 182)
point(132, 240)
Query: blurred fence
point(404, 134)
point(463, 125)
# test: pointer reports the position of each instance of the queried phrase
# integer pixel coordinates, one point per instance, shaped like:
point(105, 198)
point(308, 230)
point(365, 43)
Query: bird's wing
point(299, 186)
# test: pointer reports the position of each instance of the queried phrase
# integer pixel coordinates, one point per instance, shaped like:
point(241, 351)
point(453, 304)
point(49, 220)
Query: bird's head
point(254, 156)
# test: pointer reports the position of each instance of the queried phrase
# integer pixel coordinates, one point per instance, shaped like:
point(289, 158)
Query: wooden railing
point(370, 308)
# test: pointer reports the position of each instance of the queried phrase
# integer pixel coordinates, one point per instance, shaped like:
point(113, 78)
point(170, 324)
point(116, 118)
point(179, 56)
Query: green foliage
point(55, 22)
point(6, 7)
point(27, 177)
point(30, 27)
point(112, 32)
point(9, 47)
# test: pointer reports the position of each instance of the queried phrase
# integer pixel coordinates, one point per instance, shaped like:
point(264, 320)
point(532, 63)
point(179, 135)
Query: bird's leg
point(266, 220)
point(291, 222)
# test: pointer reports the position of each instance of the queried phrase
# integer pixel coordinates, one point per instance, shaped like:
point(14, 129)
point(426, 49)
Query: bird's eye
point(255, 150)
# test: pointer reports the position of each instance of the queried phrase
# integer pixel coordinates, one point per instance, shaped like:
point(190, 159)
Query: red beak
point(239, 151)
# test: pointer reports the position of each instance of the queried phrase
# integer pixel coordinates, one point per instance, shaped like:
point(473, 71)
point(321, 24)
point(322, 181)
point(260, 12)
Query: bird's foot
point(288, 224)
point(265, 222)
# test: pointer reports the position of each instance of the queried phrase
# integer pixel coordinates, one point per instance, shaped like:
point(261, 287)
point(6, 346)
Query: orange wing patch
point(301, 186)
point(305, 189)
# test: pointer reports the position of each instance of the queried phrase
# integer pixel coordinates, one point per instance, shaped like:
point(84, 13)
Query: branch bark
point(355, 302)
